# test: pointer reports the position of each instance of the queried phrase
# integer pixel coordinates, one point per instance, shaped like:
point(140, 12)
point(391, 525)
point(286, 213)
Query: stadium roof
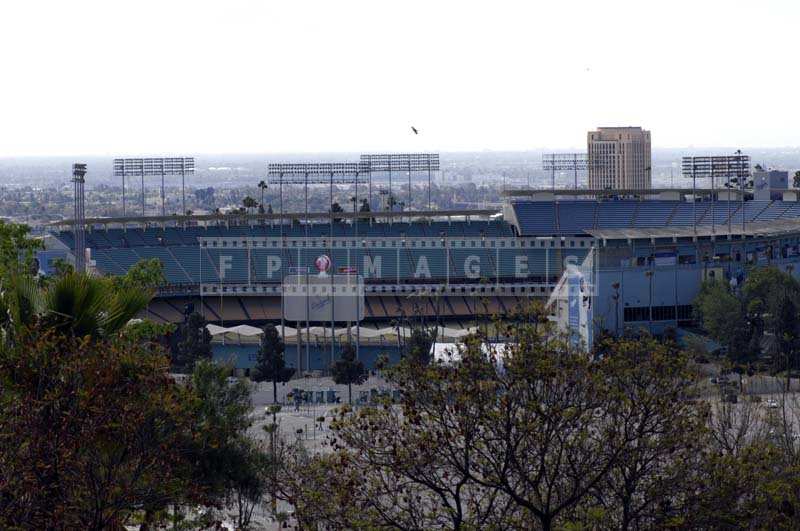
point(526, 192)
point(636, 218)
point(286, 216)
point(753, 230)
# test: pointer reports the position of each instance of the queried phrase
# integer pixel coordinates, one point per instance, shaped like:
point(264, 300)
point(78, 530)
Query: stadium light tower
point(574, 162)
point(730, 167)
point(155, 167)
point(408, 162)
point(78, 180)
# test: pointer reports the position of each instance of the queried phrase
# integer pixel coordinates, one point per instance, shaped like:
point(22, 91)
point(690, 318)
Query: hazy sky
point(170, 76)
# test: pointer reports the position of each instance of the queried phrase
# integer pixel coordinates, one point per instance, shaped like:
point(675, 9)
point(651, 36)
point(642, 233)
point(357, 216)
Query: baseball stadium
point(600, 260)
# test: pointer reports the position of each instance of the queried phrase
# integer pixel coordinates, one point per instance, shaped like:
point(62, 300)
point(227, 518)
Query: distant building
point(619, 158)
point(769, 185)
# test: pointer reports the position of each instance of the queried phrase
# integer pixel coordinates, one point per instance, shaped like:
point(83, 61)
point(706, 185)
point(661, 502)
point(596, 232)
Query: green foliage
point(219, 417)
point(417, 347)
point(335, 209)
point(77, 304)
point(249, 474)
point(348, 371)
point(91, 432)
point(553, 440)
point(16, 250)
point(249, 203)
point(146, 274)
point(720, 311)
point(761, 317)
point(62, 267)
point(191, 343)
point(94, 433)
point(270, 364)
point(148, 331)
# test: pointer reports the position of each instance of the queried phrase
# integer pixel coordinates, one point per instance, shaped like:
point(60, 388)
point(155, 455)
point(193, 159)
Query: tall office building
point(619, 158)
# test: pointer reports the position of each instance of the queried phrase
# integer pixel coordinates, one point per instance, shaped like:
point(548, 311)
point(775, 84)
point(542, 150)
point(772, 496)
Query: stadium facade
point(634, 259)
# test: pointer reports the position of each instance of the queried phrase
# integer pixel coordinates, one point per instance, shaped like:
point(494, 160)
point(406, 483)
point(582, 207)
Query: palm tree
point(248, 203)
point(75, 304)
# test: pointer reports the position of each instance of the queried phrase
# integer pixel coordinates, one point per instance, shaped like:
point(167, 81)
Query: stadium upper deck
point(531, 243)
point(233, 266)
point(582, 216)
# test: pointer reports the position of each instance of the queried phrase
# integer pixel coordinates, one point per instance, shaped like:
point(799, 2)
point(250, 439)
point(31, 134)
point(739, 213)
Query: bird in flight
point(415, 130)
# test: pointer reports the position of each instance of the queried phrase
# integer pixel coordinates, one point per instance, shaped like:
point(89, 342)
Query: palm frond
point(123, 306)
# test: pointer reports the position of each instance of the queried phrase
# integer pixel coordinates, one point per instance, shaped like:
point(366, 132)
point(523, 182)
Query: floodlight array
point(722, 166)
point(401, 162)
point(154, 166)
point(565, 161)
point(317, 173)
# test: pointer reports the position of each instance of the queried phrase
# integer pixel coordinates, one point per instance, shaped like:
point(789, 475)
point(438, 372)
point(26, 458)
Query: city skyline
point(244, 76)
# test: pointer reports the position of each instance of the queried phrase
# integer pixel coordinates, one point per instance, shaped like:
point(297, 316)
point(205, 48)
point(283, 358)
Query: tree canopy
point(270, 363)
point(191, 343)
point(347, 370)
point(759, 317)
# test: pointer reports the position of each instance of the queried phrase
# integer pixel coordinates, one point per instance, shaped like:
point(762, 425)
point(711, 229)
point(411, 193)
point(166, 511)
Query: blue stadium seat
point(654, 213)
point(775, 210)
point(536, 217)
point(574, 217)
point(684, 213)
point(616, 214)
point(173, 271)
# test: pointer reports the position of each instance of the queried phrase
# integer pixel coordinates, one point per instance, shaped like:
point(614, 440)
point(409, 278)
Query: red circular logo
point(322, 263)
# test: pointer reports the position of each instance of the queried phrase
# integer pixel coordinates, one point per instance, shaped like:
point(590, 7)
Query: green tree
point(270, 364)
point(220, 415)
point(365, 208)
point(249, 203)
point(62, 267)
point(554, 439)
point(348, 371)
point(92, 432)
point(796, 179)
point(147, 274)
point(652, 382)
point(191, 343)
point(262, 186)
point(336, 208)
point(417, 347)
point(250, 475)
point(16, 249)
point(761, 316)
point(722, 314)
point(76, 304)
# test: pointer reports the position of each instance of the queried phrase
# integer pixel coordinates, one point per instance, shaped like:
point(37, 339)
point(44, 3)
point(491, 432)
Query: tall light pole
point(78, 174)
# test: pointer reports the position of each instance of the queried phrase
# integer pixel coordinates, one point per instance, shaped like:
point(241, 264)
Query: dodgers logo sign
point(322, 263)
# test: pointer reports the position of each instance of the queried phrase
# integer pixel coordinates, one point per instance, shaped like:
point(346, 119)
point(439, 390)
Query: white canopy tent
point(251, 334)
point(450, 352)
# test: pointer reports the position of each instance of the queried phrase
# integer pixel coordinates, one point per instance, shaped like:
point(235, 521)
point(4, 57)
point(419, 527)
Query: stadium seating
point(575, 216)
point(654, 213)
point(615, 214)
point(173, 271)
point(115, 250)
point(536, 217)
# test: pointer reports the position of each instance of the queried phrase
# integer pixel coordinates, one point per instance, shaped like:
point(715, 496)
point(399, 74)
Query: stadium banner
point(323, 298)
point(664, 259)
point(574, 298)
